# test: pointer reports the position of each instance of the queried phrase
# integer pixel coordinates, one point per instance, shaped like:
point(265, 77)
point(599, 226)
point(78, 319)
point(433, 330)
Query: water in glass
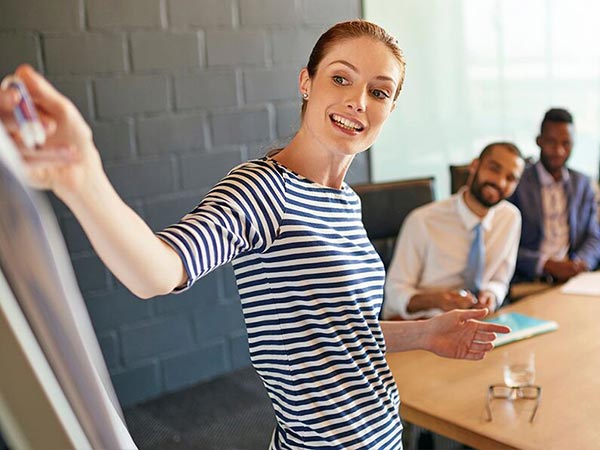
point(519, 374)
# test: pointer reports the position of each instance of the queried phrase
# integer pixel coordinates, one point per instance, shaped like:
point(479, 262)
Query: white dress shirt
point(555, 244)
point(432, 250)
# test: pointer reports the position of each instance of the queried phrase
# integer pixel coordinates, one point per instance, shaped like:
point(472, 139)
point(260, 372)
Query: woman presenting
point(310, 283)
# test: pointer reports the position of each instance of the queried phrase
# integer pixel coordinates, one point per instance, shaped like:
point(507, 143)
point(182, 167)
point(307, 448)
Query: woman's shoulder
point(264, 165)
point(262, 172)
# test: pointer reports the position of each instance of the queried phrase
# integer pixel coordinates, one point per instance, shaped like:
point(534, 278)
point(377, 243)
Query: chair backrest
point(386, 205)
point(459, 175)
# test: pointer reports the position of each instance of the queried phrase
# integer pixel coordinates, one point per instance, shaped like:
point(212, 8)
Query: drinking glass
point(519, 368)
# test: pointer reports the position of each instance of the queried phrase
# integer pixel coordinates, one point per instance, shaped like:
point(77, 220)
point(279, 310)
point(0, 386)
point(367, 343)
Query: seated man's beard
point(476, 190)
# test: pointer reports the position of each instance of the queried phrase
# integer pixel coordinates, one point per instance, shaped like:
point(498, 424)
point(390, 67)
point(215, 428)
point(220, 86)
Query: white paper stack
point(587, 283)
point(40, 287)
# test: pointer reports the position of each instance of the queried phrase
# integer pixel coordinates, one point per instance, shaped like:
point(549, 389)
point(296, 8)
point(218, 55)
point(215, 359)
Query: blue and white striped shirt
point(311, 288)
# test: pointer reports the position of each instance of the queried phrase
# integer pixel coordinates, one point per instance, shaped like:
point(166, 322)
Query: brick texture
point(236, 47)
point(288, 119)
point(79, 92)
point(205, 170)
point(232, 322)
point(85, 53)
point(114, 139)
point(293, 46)
point(155, 338)
point(192, 367)
point(75, 238)
point(110, 310)
point(205, 291)
point(158, 50)
point(131, 95)
point(206, 90)
point(323, 12)
point(152, 177)
point(136, 383)
point(193, 13)
point(255, 13)
point(264, 85)
point(240, 355)
point(124, 13)
point(40, 15)
point(176, 92)
point(168, 134)
point(240, 127)
point(166, 210)
point(109, 346)
point(18, 49)
point(90, 272)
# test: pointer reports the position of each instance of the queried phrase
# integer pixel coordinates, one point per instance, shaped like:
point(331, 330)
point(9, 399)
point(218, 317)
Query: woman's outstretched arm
point(454, 334)
point(69, 165)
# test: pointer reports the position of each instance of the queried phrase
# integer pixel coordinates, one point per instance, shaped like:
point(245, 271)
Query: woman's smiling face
point(351, 95)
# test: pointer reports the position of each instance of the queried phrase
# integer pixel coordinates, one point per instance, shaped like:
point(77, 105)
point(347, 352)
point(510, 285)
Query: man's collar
point(546, 179)
point(468, 217)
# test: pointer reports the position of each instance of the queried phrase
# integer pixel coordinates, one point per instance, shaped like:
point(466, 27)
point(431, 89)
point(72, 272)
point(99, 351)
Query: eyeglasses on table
point(503, 392)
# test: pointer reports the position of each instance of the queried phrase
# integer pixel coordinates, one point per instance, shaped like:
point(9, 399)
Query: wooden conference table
point(449, 396)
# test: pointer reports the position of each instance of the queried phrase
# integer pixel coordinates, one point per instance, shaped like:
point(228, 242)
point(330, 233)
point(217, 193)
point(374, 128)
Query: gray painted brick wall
point(109, 343)
point(202, 13)
point(264, 85)
point(324, 12)
point(293, 46)
point(125, 14)
point(85, 53)
point(159, 337)
point(131, 95)
point(257, 13)
point(18, 48)
point(79, 90)
point(176, 92)
point(206, 90)
point(159, 50)
point(114, 139)
point(251, 125)
point(39, 15)
point(233, 47)
point(205, 170)
point(171, 133)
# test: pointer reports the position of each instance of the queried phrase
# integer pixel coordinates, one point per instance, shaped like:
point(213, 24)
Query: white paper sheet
point(583, 284)
point(35, 263)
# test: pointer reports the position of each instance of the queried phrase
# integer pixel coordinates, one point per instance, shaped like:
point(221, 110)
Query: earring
point(305, 95)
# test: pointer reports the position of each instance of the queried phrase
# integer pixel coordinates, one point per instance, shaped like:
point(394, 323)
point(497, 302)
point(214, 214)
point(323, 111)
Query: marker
point(31, 129)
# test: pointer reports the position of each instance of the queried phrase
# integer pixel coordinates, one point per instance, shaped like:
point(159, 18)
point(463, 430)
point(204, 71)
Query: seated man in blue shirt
point(560, 236)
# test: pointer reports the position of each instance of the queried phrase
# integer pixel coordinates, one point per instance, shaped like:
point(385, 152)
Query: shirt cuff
point(395, 301)
point(498, 289)
point(423, 314)
point(166, 238)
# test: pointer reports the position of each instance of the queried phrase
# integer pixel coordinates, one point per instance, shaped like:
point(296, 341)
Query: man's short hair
point(556, 115)
point(507, 145)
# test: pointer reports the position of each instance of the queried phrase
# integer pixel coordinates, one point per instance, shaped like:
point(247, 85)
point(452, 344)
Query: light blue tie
point(474, 271)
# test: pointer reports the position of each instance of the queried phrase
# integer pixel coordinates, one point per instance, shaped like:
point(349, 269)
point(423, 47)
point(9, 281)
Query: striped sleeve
point(241, 214)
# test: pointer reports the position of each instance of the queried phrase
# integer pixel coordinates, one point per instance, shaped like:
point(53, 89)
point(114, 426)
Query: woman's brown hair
point(353, 29)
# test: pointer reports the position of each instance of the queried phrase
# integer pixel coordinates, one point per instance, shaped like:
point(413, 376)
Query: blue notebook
point(522, 327)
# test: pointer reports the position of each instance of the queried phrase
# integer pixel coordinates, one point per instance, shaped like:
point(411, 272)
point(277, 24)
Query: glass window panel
point(485, 70)
point(523, 29)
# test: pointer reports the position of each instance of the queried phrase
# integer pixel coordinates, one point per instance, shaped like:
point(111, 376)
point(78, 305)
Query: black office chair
point(459, 175)
point(386, 205)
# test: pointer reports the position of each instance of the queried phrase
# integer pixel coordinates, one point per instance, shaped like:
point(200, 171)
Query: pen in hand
point(465, 293)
